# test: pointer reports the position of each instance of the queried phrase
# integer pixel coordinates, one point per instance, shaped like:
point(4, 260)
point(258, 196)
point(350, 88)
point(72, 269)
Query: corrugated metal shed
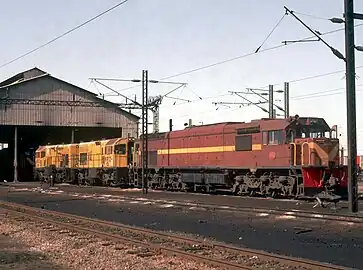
point(35, 98)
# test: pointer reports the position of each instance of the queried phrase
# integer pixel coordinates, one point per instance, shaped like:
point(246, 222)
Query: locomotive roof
point(263, 124)
point(107, 141)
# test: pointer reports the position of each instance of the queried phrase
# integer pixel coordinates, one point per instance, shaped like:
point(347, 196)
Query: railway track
point(263, 211)
point(327, 216)
point(208, 252)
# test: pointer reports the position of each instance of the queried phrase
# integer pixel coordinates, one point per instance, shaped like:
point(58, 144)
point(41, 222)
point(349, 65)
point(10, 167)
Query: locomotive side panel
point(221, 147)
point(74, 155)
point(189, 148)
point(95, 152)
point(84, 155)
point(258, 145)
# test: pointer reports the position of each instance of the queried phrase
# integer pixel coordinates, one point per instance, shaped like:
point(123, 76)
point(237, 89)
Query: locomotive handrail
point(295, 154)
point(302, 153)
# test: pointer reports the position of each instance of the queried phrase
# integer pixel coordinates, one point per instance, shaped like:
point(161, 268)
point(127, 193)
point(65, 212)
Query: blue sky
point(168, 37)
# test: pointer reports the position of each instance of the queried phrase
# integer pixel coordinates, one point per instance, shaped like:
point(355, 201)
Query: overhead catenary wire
point(311, 16)
point(317, 95)
point(321, 92)
point(186, 72)
point(234, 108)
point(271, 32)
point(251, 54)
point(64, 34)
point(200, 68)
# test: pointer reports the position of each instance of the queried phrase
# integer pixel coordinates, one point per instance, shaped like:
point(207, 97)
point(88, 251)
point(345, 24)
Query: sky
point(169, 37)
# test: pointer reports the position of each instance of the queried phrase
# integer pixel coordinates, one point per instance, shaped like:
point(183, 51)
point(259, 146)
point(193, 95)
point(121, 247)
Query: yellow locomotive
point(91, 162)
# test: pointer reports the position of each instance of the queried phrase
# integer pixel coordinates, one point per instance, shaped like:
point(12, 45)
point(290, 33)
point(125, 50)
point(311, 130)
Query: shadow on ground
point(16, 256)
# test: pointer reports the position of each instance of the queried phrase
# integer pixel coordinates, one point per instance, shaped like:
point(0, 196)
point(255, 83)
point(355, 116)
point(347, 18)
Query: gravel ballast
point(56, 249)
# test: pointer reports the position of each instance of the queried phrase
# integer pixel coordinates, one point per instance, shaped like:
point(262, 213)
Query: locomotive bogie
point(241, 182)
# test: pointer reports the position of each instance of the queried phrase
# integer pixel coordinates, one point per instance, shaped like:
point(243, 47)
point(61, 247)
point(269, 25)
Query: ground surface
point(15, 254)
point(338, 243)
point(228, 201)
point(28, 247)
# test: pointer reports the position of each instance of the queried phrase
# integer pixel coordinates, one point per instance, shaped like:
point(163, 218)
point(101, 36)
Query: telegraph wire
point(64, 34)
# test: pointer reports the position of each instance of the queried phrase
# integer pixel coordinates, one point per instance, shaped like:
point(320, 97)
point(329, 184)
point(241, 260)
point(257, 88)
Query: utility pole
point(146, 104)
point(153, 102)
point(349, 60)
point(351, 105)
point(271, 101)
point(287, 99)
point(170, 130)
point(144, 132)
point(16, 138)
point(254, 91)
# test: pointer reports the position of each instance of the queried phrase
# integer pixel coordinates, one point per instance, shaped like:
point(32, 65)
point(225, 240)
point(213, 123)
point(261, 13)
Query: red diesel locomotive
point(294, 157)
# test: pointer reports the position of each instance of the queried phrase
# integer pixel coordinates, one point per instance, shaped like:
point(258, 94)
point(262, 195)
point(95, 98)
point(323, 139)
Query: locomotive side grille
point(244, 143)
point(153, 158)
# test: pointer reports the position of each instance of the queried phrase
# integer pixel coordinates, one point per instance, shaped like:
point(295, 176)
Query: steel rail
point(326, 216)
point(117, 238)
point(113, 236)
point(354, 218)
point(298, 213)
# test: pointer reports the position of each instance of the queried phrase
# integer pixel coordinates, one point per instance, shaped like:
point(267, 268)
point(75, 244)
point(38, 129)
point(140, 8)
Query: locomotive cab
point(311, 142)
point(40, 157)
point(124, 152)
point(120, 152)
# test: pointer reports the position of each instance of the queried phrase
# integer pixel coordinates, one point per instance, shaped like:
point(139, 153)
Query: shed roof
point(36, 73)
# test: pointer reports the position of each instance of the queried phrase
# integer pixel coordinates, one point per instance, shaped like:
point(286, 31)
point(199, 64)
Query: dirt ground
point(17, 255)
point(26, 248)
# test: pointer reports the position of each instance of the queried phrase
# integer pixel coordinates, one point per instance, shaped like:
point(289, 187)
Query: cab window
point(120, 149)
point(83, 158)
point(108, 150)
point(272, 137)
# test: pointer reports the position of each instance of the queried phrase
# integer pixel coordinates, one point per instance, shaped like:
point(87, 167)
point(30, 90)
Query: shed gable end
point(43, 102)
